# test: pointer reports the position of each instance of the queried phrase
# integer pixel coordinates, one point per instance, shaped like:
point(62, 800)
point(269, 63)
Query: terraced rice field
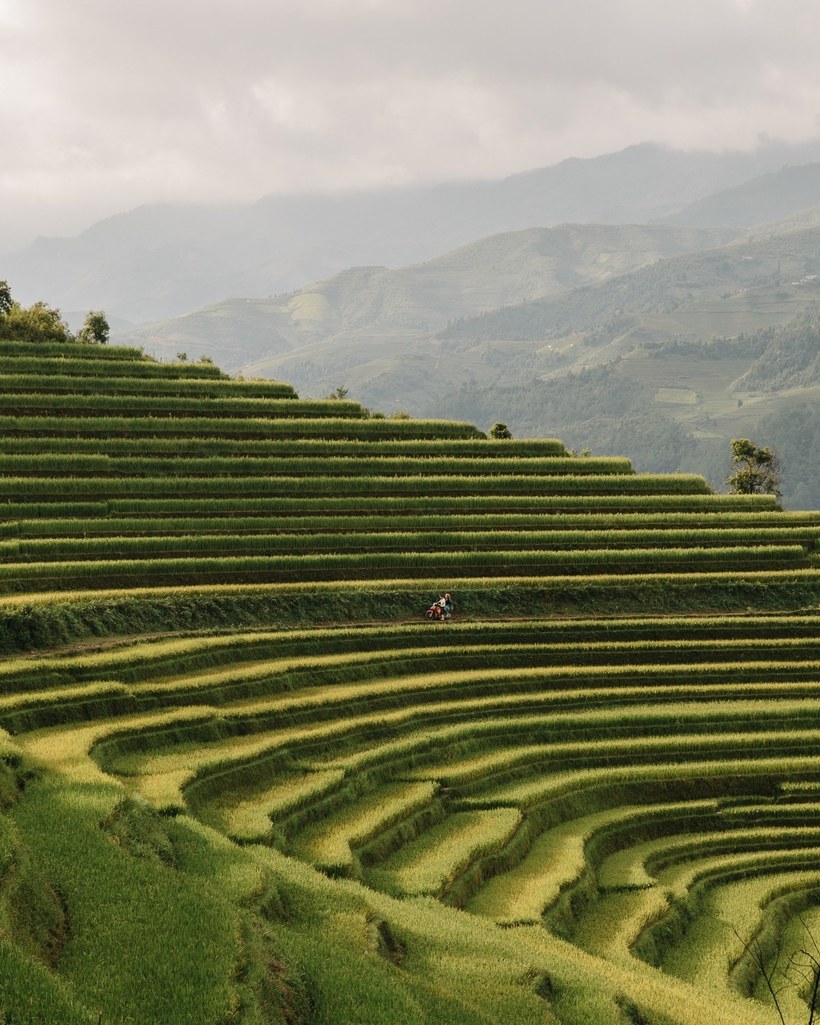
point(590, 797)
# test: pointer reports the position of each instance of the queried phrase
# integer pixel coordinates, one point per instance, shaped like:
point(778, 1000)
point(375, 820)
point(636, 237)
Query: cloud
point(105, 106)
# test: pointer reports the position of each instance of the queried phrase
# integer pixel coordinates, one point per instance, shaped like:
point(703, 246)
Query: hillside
point(677, 404)
point(666, 362)
point(733, 286)
point(163, 260)
point(782, 195)
point(363, 305)
point(225, 718)
point(706, 347)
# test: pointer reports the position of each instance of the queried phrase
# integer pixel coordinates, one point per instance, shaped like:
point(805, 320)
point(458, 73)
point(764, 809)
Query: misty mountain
point(780, 196)
point(165, 259)
point(726, 284)
point(366, 302)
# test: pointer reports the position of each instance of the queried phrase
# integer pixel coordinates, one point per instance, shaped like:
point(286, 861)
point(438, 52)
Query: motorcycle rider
point(445, 603)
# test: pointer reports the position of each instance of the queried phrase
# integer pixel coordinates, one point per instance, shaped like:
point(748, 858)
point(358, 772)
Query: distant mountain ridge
point(163, 260)
point(771, 198)
point(421, 299)
point(783, 260)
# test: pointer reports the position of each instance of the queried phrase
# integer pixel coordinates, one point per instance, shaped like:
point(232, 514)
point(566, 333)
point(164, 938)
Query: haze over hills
point(338, 326)
point(162, 260)
point(725, 278)
point(778, 196)
point(670, 362)
point(391, 307)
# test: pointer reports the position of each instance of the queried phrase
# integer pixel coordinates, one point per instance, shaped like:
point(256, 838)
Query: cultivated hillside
point(667, 362)
point(225, 719)
point(727, 285)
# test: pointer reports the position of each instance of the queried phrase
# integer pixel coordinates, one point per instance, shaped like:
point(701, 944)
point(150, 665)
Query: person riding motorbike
point(441, 609)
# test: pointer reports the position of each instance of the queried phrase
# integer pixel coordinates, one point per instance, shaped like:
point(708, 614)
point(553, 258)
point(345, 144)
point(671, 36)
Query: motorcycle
point(438, 613)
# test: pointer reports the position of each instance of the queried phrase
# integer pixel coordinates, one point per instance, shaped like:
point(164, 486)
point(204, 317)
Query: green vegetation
point(40, 323)
point(757, 470)
point(223, 716)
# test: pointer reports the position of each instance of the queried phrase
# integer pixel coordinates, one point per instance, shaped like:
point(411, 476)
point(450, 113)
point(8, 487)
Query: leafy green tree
point(757, 470)
point(337, 395)
point(43, 323)
point(37, 323)
point(95, 330)
point(499, 430)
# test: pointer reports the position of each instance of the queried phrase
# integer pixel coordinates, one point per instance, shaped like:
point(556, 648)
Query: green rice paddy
point(243, 779)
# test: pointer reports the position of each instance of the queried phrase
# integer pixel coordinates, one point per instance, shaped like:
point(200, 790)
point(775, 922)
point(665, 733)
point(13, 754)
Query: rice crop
point(216, 678)
point(70, 362)
point(85, 464)
point(92, 405)
point(69, 350)
point(431, 484)
point(40, 384)
point(94, 520)
point(207, 568)
point(666, 545)
point(213, 445)
point(329, 843)
point(433, 861)
point(128, 425)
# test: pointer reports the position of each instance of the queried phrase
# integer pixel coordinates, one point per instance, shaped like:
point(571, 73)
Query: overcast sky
point(107, 104)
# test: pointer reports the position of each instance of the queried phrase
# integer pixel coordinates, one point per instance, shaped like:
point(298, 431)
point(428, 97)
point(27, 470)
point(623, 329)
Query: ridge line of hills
point(166, 259)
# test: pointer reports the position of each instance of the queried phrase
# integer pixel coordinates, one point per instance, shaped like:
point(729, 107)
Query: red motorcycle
point(438, 612)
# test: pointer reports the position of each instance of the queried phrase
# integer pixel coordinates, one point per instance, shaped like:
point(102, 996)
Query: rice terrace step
point(224, 718)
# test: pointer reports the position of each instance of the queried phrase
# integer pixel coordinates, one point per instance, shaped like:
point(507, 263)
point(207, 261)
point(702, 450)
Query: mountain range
point(162, 260)
point(386, 310)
